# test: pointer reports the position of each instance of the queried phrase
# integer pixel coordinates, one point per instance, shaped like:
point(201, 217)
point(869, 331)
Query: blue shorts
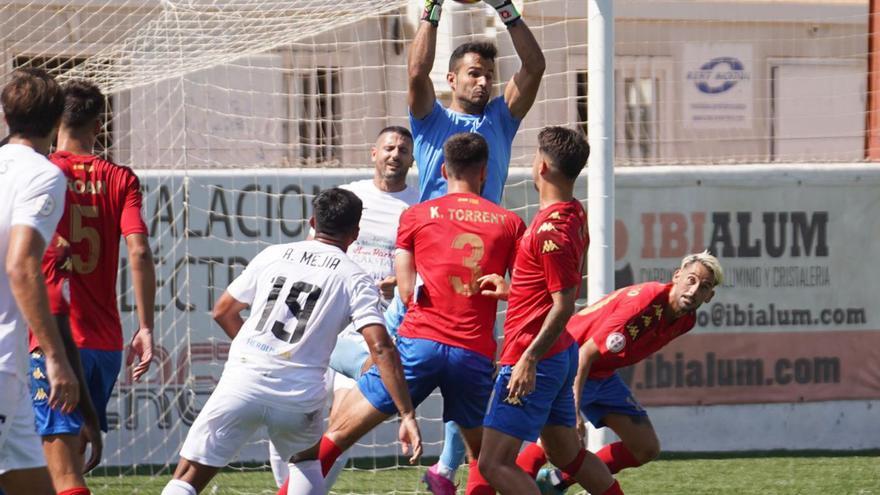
point(608, 396)
point(49, 421)
point(551, 403)
point(100, 370)
point(464, 378)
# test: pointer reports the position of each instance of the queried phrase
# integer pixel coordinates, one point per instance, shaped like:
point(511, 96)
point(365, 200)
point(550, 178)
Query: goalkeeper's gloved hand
point(432, 11)
point(506, 10)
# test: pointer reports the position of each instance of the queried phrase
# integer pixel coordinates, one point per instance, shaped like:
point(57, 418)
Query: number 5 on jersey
point(300, 314)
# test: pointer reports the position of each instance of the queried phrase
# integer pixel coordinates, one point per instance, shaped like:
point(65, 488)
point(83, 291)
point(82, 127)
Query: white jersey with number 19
point(301, 296)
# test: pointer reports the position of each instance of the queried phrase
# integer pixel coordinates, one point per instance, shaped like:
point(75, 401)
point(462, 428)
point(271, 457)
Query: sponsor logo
point(546, 227)
point(554, 216)
point(633, 293)
point(41, 394)
point(38, 374)
point(46, 205)
point(633, 330)
point(549, 247)
point(513, 401)
point(719, 75)
point(615, 342)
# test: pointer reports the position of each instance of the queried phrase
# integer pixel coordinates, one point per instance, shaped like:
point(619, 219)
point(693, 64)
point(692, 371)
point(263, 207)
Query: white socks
point(306, 478)
point(178, 487)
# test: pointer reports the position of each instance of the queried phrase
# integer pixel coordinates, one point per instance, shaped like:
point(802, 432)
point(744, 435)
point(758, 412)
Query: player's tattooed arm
point(227, 314)
point(522, 378)
point(587, 354)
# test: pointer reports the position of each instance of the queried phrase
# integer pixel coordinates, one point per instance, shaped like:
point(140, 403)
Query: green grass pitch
point(777, 474)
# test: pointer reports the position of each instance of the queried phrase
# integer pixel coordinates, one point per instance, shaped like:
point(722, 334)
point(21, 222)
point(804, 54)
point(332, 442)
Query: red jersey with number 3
point(627, 326)
point(103, 203)
point(56, 267)
point(456, 239)
point(549, 260)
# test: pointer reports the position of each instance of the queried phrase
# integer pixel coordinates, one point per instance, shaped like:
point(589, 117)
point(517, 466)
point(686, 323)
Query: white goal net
point(236, 112)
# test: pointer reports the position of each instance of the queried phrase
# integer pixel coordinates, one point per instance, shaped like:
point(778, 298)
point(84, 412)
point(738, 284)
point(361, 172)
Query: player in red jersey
point(461, 245)
point(620, 330)
point(103, 203)
point(56, 427)
point(533, 392)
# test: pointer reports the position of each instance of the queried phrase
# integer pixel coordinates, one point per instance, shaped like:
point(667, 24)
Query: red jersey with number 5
point(456, 239)
point(103, 203)
point(550, 258)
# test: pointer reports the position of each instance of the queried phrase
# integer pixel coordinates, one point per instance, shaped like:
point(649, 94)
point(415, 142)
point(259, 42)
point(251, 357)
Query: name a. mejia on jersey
point(317, 260)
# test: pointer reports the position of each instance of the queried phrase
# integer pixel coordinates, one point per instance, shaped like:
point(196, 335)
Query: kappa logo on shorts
point(615, 342)
point(513, 401)
point(38, 374)
point(41, 394)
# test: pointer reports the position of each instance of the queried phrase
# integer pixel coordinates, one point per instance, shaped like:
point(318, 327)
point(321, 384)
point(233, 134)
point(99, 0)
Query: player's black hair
point(566, 149)
point(32, 102)
point(337, 211)
point(83, 103)
point(484, 49)
point(396, 129)
point(465, 152)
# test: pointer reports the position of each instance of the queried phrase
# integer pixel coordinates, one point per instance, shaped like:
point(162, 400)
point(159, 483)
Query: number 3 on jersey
point(471, 262)
point(299, 313)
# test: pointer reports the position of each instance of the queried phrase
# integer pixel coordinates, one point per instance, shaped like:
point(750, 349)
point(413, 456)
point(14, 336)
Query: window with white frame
point(317, 102)
point(642, 109)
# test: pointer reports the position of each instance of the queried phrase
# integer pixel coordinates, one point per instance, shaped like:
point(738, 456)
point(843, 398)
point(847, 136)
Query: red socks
point(476, 484)
point(531, 458)
point(614, 489)
point(616, 456)
point(328, 452)
point(80, 490)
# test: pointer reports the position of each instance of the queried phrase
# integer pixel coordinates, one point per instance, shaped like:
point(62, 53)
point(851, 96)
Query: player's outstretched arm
point(420, 95)
point(143, 279)
point(521, 91)
point(227, 314)
point(587, 354)
point(522, 378)
point(384, 354)
point(23, 268)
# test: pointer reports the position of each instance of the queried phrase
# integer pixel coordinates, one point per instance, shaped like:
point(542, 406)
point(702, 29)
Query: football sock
point(476, 483)
point(178, 487)
point(614, 489)
point(531, 458)
point(616, 456)
point(306, 478)
point(80, 490)
point(330, 479)
point(328, 452)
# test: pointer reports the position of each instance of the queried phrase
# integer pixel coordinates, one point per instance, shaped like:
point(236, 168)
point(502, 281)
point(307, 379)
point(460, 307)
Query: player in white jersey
point(31, 203)
point(385, 196)
point(302, 295)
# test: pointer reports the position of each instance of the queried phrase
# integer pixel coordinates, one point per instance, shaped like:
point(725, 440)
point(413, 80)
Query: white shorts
point(20, 446)
point(342, 382)
point(227, 422)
